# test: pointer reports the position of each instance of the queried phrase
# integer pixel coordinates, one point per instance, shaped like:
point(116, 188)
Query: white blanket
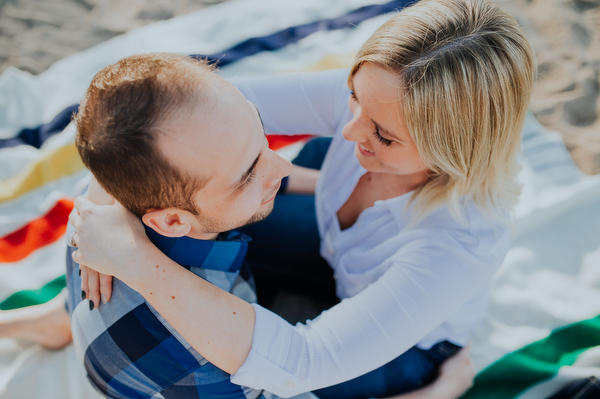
point(550, 279)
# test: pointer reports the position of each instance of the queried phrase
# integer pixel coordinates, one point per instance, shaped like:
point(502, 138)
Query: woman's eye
point(381, 139)
point(353, 95)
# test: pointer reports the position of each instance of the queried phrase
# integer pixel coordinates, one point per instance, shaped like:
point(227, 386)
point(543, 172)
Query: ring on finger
point(72, 242)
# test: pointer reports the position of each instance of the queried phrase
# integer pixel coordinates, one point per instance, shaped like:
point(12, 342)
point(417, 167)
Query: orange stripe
point(38, 233)
point(49, 228)
point(278, 141)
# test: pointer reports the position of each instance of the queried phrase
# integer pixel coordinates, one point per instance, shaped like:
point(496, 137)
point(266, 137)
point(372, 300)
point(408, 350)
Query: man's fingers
point(105, 287)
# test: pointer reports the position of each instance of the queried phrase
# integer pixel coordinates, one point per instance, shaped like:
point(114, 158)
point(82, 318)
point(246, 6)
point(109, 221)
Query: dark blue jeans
point(409, 371)
point(284, 254)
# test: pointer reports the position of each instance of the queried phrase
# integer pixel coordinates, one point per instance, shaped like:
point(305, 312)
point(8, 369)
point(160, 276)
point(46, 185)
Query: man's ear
point(169, 222)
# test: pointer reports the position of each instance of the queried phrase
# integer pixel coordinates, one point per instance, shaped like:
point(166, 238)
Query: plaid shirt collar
point(225, 254)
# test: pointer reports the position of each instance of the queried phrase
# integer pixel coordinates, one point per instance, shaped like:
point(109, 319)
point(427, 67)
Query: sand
point(565, 35)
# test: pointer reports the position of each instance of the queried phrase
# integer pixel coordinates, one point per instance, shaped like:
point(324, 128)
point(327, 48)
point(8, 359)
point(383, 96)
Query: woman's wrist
point(143, 255)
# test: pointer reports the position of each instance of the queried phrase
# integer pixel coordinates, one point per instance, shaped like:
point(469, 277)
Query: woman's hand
point(97, 287)
point(107, 237)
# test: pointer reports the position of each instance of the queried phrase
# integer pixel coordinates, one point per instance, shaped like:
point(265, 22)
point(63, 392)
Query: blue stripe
point(294, 34)
point(37, 136)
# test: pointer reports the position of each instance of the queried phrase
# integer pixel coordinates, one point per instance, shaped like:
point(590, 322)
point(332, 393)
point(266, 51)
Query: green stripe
point(34, 297)
point(536, 362)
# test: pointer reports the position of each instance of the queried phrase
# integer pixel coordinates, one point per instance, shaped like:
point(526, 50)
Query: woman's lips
point(364, 151)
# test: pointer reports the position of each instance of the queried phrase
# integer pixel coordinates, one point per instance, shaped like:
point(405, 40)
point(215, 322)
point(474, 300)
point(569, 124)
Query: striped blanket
point(543, 328)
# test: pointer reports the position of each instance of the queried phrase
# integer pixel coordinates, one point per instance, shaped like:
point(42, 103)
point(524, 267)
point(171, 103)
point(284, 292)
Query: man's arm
point(302, 180)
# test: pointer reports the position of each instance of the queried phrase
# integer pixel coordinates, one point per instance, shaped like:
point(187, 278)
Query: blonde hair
point(466, 73)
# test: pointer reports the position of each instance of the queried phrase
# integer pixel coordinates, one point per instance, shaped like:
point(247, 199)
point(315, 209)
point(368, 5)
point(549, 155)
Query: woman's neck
point(399, 184)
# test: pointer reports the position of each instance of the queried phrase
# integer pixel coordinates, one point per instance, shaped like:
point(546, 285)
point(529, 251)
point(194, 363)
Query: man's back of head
point(120, 118)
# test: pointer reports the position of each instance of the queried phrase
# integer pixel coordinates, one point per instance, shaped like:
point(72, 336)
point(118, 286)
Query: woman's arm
point(298, 103)
point(261, 349)
point(217, 324)
point(97, 287)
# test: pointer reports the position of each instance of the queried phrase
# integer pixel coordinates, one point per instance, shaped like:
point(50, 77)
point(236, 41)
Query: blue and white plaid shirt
point(130, 351)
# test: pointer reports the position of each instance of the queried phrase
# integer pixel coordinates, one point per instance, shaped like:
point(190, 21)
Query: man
point(183, 150)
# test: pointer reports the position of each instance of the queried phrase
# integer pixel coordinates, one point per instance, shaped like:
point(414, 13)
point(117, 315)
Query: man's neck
point(205, 236)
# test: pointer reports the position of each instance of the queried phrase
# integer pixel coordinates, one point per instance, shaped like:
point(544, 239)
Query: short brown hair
point(118, 123)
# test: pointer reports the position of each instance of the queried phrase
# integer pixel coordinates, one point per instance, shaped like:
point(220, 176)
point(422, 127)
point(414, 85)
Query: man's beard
point(213, 226)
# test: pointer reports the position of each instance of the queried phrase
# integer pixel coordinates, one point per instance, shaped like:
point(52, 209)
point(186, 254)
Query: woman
point(412, 205)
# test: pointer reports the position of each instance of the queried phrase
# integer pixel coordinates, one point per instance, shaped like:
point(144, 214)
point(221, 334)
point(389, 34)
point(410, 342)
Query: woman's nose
point(353, 131)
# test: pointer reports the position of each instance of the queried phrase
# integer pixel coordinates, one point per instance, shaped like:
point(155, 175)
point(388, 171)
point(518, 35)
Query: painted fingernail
point(79, 272)
point(91, 305)
point(104, 300)
point(82, 295)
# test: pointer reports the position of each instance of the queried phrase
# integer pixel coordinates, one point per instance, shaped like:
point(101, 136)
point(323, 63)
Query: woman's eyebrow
point(380, 129)
point(384, 131)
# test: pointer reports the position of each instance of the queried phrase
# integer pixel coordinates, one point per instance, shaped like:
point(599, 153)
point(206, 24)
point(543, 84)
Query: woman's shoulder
point(475, 230)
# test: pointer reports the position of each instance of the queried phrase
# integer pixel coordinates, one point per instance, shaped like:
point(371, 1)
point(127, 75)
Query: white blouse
point(400, 285)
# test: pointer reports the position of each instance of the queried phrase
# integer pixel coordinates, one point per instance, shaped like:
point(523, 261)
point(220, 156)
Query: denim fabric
point(291, 261)
point(409, 371)
point(585, 388)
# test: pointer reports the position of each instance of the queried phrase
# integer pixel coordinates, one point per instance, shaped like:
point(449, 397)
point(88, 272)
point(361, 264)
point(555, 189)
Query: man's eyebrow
point(259, 117)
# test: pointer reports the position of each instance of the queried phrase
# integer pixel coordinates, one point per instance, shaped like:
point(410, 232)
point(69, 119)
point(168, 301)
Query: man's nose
point(280, 168)
point(286, 167)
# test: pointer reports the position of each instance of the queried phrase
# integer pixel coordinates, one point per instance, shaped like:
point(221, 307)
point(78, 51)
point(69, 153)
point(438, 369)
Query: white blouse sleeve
point(298, 102)
point(429, 279)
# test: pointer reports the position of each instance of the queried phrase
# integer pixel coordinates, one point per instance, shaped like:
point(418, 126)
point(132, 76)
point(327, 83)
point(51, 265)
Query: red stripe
point(278, 141)
point(49, 228)
point(37, 234)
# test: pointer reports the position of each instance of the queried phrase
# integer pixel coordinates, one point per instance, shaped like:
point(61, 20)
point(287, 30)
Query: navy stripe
point(294, 34)
point(545, 166)
point(35, 137)
point(545, 146)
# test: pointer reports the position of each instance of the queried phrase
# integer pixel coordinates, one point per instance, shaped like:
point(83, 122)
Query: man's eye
point(248, 180)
